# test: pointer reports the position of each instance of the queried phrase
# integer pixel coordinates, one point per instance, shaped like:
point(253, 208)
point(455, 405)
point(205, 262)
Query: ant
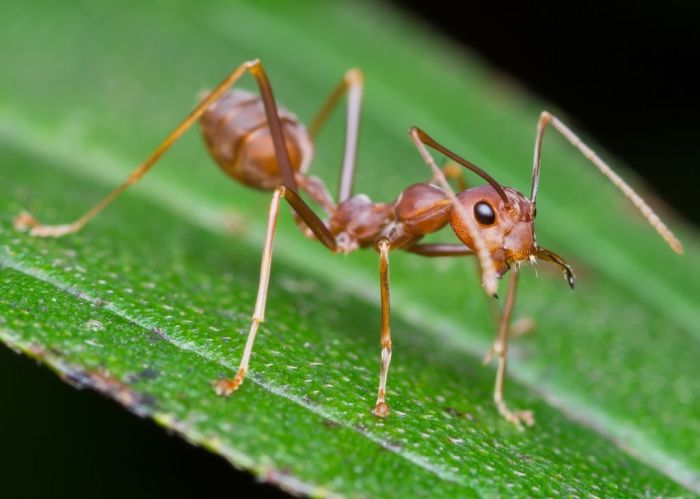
point(267, 148)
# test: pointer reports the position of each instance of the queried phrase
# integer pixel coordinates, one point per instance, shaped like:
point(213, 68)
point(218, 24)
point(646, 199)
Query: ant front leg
point(500, 346)
point(228, 386)
point(500, 349)
point(520, 327)
point(421, 140)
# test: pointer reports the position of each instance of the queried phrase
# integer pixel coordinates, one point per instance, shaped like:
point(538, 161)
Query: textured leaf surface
point(150, 302)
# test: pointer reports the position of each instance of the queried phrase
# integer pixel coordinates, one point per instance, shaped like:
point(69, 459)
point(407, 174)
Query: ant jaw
point(550, 256)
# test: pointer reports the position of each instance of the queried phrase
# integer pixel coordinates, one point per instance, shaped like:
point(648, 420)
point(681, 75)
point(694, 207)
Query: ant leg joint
point(354, 76)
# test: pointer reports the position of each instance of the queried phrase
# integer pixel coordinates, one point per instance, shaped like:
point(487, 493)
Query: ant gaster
point(267, 148)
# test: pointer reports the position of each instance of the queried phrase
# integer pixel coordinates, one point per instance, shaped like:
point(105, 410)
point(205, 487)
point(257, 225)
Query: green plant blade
point(150, 302)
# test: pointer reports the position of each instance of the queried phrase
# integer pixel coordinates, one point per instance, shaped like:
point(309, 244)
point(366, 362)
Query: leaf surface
point(151, 302)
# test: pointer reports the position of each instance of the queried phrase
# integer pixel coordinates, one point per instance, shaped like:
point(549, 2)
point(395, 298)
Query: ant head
point(507, 227)
point(503, 217)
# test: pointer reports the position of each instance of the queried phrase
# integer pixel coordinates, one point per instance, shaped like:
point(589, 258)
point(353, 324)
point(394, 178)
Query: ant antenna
point(547, 118)
point(428, 140)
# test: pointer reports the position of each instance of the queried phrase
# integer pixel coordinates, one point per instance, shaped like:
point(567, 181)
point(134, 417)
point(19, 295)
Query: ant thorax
point(358, 222)
point(419, 210)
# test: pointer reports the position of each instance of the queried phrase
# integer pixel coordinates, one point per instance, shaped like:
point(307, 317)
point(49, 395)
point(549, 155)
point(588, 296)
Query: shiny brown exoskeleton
point(267, 148)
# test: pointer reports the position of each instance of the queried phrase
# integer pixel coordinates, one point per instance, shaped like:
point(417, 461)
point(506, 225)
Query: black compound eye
point(484, 214)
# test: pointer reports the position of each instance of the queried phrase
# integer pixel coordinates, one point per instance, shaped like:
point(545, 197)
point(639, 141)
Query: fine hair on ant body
point(267, 148)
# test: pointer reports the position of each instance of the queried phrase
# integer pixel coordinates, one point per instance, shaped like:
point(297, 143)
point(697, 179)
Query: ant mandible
point(267, 148)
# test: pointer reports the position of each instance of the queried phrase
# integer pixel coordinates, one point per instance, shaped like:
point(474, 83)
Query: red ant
point(267, 148)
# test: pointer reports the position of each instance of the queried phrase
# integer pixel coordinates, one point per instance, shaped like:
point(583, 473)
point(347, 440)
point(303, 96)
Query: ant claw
point(517, 417)
point(381, 410)
point(25, 221)
point(225, 387)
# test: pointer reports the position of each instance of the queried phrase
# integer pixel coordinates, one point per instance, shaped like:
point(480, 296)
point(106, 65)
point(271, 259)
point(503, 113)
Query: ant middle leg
point(353, 85)
point(381, 408)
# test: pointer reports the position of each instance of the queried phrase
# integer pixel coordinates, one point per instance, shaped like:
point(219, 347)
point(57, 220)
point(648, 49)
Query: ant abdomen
point(237, 136)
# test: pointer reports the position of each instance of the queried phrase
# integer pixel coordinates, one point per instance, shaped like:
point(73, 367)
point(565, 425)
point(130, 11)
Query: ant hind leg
point(227, 386)
point(26, 221)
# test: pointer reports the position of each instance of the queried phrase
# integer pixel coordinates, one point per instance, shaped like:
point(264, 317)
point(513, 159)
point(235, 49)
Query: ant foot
point(516, 417)
point(25, 221)
point(381, 410)
point(226, 387)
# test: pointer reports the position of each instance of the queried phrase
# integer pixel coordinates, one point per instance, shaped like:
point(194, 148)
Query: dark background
point(627, 74)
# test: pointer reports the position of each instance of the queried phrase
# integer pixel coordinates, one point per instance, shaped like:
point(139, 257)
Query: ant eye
point(534, 213)
point(484, 214)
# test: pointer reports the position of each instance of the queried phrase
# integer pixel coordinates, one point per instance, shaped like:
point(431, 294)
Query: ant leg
point(547, 118)
point(228, 386)
point(352, 84)
point(26, 221)
point(287, 191)
point(452, 171)
point(381, 408)
point(520, 327)
point(488, 268)
point(500, 348)
point(440, 249)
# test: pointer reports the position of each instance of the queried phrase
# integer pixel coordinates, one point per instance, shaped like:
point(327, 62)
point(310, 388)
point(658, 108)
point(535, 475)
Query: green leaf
point(151, 302)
